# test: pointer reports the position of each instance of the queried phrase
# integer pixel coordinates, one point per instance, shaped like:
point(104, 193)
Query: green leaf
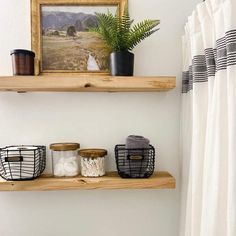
point(141, 31)
point(118, 32)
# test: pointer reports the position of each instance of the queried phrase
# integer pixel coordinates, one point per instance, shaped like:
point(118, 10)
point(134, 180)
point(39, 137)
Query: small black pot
point(22, 62)
point(122, 63)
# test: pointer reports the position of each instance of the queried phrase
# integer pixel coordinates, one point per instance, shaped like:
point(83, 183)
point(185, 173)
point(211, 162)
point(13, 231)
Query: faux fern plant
point(122, 36)
point(119, 32)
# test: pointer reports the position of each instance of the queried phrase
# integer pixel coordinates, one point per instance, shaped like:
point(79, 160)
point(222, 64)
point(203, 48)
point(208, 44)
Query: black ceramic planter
point(122, 63)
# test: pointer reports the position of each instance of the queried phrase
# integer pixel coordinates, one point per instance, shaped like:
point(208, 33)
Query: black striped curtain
point(208, 206)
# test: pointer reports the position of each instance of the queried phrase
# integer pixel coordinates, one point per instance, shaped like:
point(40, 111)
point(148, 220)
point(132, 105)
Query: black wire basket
point(135, 163)
point(22, 162)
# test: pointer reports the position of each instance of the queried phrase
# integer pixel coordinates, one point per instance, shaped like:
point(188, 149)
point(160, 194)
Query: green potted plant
point(121, 37)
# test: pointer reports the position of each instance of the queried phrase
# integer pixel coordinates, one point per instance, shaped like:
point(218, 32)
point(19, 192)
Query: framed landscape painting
point(61, 38)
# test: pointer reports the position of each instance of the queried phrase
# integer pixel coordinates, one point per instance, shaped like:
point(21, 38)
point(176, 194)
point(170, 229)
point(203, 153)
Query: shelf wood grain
point(84, 83)
point(159, 180)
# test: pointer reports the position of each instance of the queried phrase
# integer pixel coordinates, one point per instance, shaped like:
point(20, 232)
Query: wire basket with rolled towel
point(136, 158)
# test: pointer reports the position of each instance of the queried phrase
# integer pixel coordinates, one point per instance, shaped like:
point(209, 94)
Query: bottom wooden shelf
point(159, 180)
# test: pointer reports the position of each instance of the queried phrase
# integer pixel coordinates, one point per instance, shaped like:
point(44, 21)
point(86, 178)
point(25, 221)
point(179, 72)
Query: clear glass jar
point(65, 161)
point(93, 162)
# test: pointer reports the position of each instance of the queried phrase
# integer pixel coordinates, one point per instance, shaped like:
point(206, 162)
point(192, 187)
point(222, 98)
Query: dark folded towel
point(135, 141)
point(137, 147)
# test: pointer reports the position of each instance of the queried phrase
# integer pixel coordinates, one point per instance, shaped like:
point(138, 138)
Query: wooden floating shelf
point(82, 83)
point(159, 180)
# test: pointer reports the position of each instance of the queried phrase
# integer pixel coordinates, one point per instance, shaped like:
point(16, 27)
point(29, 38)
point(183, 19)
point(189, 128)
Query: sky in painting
point(78, 9)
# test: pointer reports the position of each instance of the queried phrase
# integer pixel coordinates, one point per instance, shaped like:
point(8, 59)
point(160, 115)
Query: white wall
point(96, 120)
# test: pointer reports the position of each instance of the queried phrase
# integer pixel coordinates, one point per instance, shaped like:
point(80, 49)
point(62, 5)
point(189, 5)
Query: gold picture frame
point(51, 46)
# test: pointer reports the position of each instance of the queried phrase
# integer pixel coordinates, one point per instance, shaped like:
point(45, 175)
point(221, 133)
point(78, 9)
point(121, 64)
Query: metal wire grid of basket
point(135, 163)
point(22, 162)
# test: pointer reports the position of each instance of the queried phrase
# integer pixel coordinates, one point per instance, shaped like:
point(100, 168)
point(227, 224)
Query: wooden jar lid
point(64, 146)
point(92, 152)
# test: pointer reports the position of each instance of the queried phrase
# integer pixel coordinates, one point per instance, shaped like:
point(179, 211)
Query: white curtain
point(209, 121)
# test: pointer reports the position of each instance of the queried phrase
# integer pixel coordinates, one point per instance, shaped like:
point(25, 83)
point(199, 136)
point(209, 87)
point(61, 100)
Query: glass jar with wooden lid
point(93, 162)
point(65, 161)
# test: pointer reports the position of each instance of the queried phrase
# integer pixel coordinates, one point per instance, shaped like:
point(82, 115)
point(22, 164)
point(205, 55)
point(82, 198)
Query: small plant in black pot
point(122, 36)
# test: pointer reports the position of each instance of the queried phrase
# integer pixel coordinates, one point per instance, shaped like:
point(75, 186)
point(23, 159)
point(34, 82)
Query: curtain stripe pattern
point(204, 66)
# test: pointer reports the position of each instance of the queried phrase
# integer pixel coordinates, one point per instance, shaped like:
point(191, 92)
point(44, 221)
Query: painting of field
point(66, 43)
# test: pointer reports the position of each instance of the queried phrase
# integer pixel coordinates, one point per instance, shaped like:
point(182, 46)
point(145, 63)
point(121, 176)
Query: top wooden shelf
point(82, 83)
